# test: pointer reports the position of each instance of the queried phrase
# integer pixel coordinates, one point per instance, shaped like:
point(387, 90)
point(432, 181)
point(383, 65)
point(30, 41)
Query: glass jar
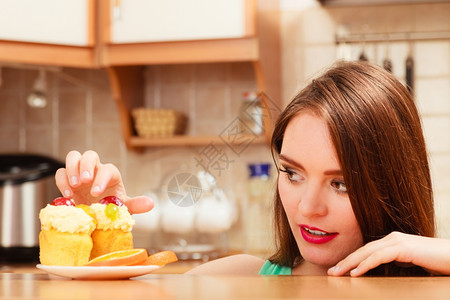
point(250, 114)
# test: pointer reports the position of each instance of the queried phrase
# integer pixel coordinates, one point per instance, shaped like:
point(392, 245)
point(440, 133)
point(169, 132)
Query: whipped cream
point(66, 219)
point(123, 221)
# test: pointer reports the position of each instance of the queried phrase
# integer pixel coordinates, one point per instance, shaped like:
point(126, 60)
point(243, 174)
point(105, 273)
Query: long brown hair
point(376, 131)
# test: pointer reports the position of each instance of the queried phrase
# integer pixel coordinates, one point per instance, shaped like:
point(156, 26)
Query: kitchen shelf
point(186, 140)
point(127, 89)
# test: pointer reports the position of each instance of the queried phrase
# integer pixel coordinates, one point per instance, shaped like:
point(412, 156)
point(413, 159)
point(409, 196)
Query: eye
point(339, 186)
point(291, 175)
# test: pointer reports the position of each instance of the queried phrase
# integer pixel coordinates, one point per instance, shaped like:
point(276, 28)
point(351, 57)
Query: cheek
point(349, 223)
point(287, 196)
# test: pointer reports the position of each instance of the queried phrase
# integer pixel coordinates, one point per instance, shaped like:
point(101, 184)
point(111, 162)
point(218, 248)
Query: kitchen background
point(82, 115)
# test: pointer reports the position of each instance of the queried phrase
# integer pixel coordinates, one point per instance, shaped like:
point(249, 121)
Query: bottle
point(250, 114)
point(258, 217)
point(259, 185)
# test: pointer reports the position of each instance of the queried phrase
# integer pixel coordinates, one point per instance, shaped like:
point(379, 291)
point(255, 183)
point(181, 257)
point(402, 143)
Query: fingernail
point(67, 193)
point(73, 180)
point(96, 189)
point(85, 175)
point(354, 271)
point(333, 270)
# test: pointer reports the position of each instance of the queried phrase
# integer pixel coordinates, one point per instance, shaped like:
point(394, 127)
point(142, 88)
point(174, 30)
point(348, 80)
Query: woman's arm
point(432, 254)
point(240, 264)
point(86, 180)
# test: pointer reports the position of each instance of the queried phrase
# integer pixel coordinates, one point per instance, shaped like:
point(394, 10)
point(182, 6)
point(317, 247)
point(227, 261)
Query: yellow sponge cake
point(113, 230)
point(65, 237)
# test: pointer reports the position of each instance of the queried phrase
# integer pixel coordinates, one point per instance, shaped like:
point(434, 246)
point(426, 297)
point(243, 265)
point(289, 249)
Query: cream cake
point(65, 237)
point(113, 229)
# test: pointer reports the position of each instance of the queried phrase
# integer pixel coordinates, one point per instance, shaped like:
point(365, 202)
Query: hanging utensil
point(410, 70)
point(363, 56)
point(387, 63)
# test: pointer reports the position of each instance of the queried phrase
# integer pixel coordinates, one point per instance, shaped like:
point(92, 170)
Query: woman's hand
point(86, 180)
point(432, 254)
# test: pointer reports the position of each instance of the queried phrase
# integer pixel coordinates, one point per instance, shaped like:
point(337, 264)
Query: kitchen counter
point(38, 285)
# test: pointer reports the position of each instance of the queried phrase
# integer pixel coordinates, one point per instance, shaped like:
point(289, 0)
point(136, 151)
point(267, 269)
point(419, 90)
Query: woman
point(354, 192)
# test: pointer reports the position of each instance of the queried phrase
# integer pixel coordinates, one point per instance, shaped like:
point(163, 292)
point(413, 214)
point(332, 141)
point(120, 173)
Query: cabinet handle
point(117, 9)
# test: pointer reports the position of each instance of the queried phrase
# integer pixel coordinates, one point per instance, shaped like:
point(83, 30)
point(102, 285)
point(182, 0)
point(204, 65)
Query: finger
point(374, 260)
point(62, 183)
point(141, 204)
point(348, 263)
point(355, 258)
point(73, 168)
point(88, 164)
point(107, 175)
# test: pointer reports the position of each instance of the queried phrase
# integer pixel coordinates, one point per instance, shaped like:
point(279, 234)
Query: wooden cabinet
point(125, 58)
point(48, 32)
point(137, 21)
point(124, 36)
point(132, 35)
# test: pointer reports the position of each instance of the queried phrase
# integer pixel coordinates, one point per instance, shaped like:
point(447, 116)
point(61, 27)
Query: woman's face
point(314, 195)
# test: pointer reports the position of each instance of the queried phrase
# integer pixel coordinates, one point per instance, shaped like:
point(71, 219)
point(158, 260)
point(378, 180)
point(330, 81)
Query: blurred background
point(90, 81)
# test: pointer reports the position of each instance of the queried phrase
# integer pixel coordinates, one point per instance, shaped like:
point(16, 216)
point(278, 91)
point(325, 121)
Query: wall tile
point(318, 27)
point(177, 74)
point(433, 95)
point(211, 73)
point(369, 19)
point(442, 214)
point(432, 58)
point(10, 140)
point(12, 80)
point(72, 138)
point(316, 59)
point(241, 72)
point(435, 129)
point(72, 107)
point(431, 17)
point(292, 33)
point(104, 108)
point(40, 140)
point(176, 97)
point(10, 109)
point(211, 110)
point(440, 164)
point(107, 141)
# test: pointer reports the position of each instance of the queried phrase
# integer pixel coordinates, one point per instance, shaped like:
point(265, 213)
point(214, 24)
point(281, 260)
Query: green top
point(269, 268)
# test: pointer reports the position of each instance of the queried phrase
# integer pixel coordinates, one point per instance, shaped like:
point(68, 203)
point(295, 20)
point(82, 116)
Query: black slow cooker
point(27, 184)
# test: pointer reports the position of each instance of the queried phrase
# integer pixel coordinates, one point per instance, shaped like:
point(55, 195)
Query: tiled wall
point(309, 45)
point(81, 114)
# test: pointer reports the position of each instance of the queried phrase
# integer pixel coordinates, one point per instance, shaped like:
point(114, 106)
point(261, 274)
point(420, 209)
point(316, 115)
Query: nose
point(313, 200)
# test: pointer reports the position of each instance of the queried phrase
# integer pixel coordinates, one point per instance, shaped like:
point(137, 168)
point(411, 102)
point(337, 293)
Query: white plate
point(122, 272)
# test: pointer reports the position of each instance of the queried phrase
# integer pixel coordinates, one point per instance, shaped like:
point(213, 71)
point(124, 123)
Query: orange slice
point(120, 258)
point(160, 258)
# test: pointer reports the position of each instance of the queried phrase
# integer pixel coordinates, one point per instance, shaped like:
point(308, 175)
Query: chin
point(321, 262)
point(325, 258)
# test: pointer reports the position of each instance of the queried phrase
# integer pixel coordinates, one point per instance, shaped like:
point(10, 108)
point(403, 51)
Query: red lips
point(315, 235)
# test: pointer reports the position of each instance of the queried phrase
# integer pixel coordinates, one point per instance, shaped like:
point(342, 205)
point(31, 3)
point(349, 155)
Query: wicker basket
point(157, 123)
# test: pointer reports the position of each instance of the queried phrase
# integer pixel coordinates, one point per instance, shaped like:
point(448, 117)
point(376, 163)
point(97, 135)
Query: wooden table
point(177, 286)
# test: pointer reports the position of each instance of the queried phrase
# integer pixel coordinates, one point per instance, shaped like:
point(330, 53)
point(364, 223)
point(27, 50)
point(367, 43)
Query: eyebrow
point(300, 166)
